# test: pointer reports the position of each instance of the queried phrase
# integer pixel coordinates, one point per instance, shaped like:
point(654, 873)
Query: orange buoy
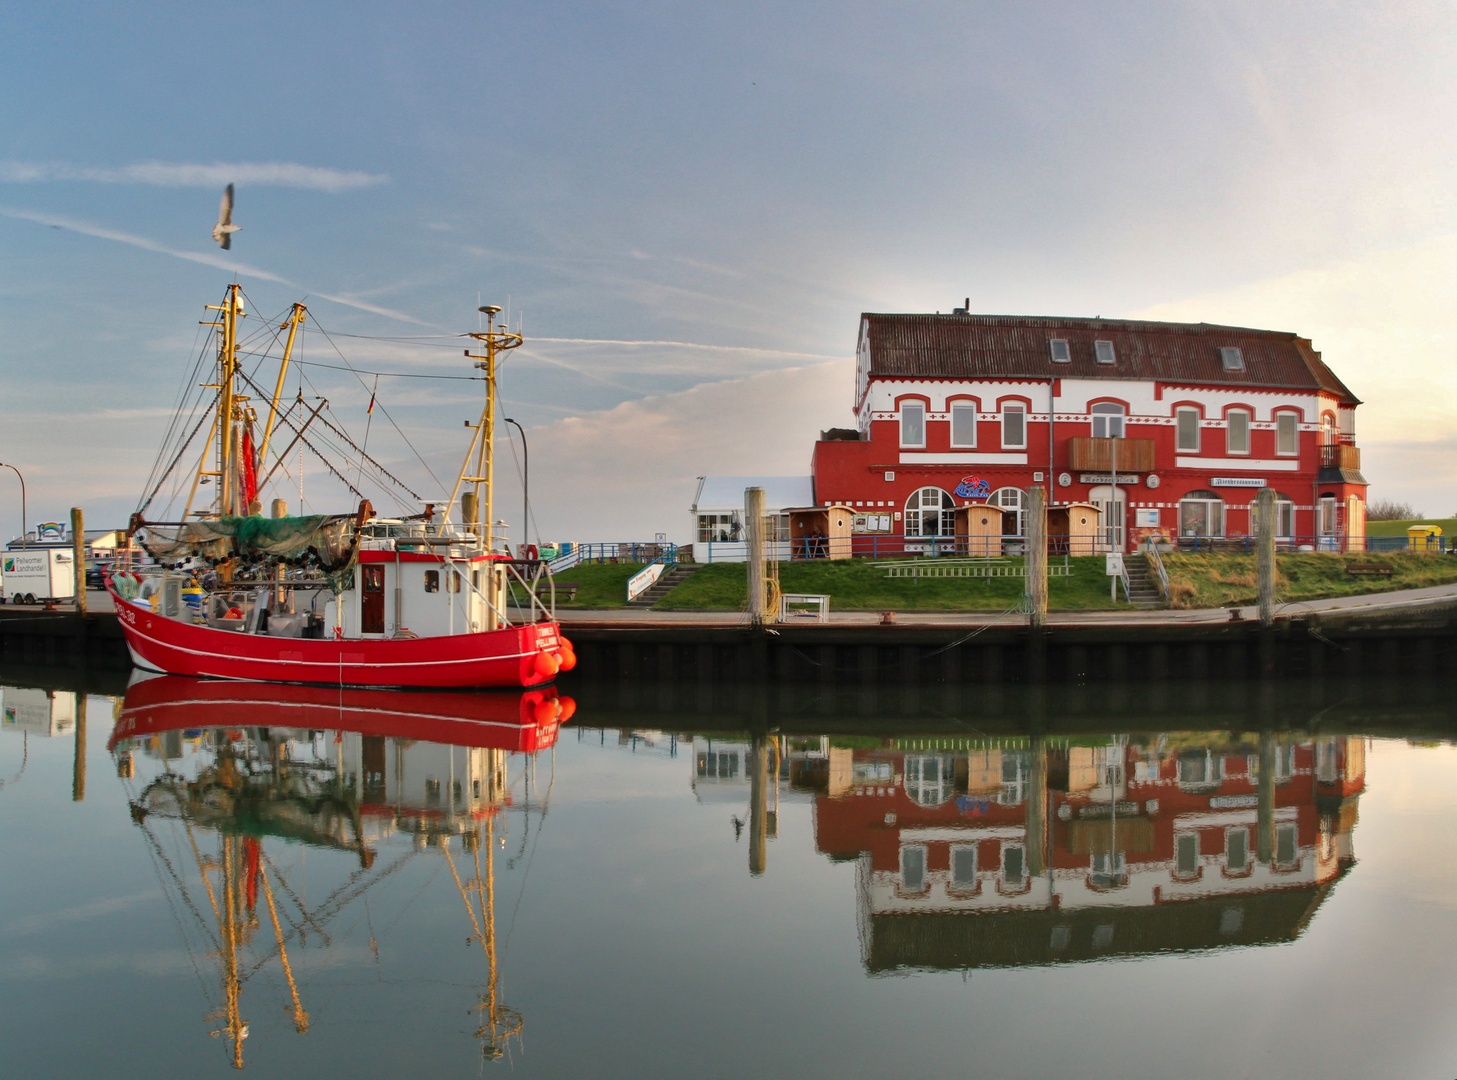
point(569, 707)
point(545, 711)
point(546, 665)
point(566, 659)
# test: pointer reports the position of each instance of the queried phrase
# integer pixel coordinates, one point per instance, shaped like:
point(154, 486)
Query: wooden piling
point(754, 533)
point(1036, 568)
point(78, 557)
point(1266, 527)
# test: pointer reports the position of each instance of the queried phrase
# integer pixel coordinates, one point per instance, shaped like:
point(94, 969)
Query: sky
point(687, 206)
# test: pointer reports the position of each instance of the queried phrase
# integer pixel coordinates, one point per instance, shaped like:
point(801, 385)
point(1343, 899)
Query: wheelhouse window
point(1014, 427)
point(1201, 513)
point(1187, 422)
point(1287, 427)
point(1103, 352)
point(1107, 420)
point(963, 425)
point(432, 580)
point(913, 424)
point(1061, 354)
point(1237, 432)
point(930, 512)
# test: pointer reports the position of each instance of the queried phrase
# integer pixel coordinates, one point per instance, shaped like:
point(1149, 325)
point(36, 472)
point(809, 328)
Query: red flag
point(249, 470)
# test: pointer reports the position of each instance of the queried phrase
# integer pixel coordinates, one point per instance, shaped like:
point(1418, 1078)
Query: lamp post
point(12, 468)
point(525, 482)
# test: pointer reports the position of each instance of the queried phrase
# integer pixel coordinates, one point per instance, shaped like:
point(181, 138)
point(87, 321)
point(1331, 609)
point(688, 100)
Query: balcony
point(1096, 455)
point(1340, 456)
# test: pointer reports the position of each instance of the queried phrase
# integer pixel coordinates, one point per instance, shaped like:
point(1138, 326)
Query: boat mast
point(228, 400)
point(293, 322)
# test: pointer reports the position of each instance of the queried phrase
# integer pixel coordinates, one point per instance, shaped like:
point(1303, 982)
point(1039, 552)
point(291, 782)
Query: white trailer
point(35, 575)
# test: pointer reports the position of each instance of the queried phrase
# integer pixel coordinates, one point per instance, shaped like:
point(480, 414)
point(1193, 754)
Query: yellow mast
point(228, 399)
point(293, 322)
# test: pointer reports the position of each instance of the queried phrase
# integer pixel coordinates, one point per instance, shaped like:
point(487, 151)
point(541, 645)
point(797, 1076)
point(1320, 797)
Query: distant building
point(1170, 429)
point(718, 513)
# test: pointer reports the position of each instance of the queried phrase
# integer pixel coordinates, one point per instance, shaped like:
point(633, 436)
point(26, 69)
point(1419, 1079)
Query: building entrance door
point(1110, 514)
point(371, 616)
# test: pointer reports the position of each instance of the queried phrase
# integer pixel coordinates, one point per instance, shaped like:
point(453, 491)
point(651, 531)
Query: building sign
point(50, 530)
point(1124, 479)
point(1236, 481)
point(973, 487)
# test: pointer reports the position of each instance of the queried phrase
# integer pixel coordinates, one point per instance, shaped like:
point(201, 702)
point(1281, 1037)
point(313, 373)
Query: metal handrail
point(1151, 553)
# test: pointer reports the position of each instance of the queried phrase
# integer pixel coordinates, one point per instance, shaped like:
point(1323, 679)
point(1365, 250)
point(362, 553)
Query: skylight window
point(1061, 354)
point(1232, 358)
point(1103, 350)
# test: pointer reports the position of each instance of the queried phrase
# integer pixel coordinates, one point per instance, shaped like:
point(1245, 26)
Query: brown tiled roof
point(1016, 346)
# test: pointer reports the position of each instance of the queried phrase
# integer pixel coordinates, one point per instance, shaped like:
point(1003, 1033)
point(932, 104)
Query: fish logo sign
point(973, 487)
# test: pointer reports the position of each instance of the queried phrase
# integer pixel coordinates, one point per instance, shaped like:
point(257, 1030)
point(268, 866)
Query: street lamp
point(525, 482)
point(16, 471)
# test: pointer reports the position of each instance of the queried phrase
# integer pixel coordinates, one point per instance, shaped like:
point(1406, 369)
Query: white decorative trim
point(969, 458)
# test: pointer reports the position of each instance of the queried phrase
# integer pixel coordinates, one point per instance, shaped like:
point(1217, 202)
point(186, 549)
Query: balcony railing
point(1340, 456)
point(1096, 455)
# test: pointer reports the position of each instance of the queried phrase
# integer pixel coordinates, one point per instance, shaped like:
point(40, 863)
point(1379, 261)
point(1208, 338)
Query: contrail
point(689, 345)
point(85, 228)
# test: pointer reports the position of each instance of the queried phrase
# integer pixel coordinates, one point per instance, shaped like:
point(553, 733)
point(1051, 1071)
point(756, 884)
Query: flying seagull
point(223, 231)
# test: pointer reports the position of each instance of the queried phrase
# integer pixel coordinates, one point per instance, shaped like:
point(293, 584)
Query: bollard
point(78, 557)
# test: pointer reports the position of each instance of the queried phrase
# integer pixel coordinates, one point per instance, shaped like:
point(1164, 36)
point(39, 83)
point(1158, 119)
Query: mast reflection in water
point(223, 777)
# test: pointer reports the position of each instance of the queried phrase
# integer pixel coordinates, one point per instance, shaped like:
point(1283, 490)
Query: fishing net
point(331, 542)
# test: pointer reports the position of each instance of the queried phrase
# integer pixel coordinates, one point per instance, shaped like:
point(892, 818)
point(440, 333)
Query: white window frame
point(917, 407)
point(1247, 420)
point(1104, 352)
point(925, 885)
point(963, 887)
point(946, 522)
point(1020, 408)
point(1023, 883)
point(1103, 410)
point(1067, 352)
point(1290, 829)
point(1294, 419)
point(1178, 430)
point(963, 407)
point(1244, 867)
point(1178, 874)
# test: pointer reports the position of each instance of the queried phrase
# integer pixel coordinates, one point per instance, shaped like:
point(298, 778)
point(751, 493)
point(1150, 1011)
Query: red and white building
point(1170, 429)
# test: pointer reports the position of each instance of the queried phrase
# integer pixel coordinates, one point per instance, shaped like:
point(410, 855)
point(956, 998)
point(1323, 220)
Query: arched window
point(928, 779)
point(1013, 500)
point(1107, 420)
point(930, 512)
point(1284, 516)
point(1328, 429)
point(1201, 513)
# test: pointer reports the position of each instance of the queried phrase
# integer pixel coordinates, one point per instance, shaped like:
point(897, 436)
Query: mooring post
point(1036, 584)
point(78, 763)
point(78, 557)
point(1266, 528)
point(758, 800)
point(754, 534)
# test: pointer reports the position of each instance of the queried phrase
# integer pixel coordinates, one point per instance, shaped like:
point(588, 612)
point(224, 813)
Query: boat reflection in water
point(1005, 852)
point(261, 766)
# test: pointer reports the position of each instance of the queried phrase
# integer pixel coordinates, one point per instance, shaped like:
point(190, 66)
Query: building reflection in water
point(1019, 851)
point(221, 776)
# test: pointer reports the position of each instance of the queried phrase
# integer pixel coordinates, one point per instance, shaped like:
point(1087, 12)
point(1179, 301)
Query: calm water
point(476, 886)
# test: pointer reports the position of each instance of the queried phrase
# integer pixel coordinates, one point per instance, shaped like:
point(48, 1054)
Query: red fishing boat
point(356, 599)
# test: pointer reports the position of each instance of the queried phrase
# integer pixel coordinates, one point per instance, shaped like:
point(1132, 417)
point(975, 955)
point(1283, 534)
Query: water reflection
point(1013, 851)
point(222, 777)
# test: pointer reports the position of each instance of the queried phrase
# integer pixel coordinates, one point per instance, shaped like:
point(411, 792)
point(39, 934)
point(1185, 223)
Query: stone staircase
point(1143, 589)
point(672, 577)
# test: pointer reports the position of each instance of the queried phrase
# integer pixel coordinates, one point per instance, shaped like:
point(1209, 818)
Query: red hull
point(523, 721)
point(518, 656)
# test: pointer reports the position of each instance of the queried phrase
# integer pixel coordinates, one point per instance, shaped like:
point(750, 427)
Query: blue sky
point(741, 180)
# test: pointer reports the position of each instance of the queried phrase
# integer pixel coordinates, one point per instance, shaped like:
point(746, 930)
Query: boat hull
point(516, 656)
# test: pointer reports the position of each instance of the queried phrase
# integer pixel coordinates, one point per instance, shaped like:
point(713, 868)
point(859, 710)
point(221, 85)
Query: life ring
point(531, 553)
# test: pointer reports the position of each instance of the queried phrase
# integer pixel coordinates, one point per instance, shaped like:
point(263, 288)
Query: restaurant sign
point(1236, 481)
point(973, 487)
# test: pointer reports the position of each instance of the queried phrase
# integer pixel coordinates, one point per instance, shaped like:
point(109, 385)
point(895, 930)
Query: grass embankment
point(599, 585)
point(862, 585)
point(1215, 579)
point(1398, 528)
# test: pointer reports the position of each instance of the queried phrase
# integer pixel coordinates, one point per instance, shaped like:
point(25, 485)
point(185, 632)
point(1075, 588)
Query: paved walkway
point(1406, 598)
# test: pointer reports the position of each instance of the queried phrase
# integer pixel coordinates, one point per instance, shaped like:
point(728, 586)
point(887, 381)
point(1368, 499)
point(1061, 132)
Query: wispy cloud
point(181, 174)
point(101, 232)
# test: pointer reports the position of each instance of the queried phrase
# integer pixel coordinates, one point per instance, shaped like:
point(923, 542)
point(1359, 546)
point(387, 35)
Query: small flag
point(370, 412)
